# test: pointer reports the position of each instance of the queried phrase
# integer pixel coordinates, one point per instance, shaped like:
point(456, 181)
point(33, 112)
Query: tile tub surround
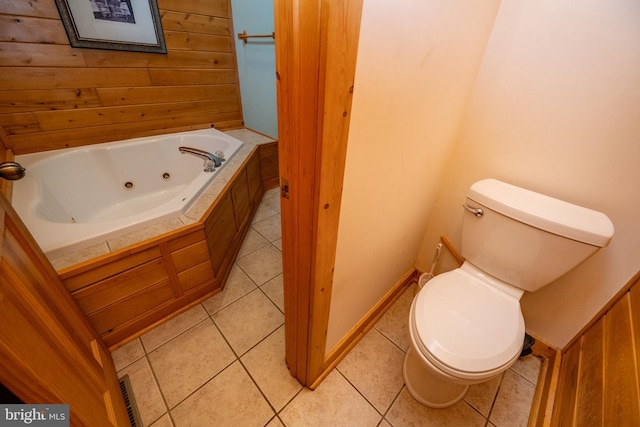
point(194, 214)
point(222, 362)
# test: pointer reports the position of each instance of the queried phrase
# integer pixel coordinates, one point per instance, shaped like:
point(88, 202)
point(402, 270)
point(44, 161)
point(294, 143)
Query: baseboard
point(544, 397)
point(365, 324)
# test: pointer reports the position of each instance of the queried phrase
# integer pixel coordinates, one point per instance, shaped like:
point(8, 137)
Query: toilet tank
point(528, 239)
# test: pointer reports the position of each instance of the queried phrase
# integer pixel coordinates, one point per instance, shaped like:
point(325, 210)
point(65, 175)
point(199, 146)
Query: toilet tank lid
point(544, 212)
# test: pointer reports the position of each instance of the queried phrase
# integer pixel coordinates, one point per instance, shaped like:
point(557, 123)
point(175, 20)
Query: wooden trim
point(296, 83)
point(452, 249)
point(4, 141)
point(365, 324)
point(170, 267)
point(74, 270)
point(341, 24)
point(544, 397)
point(57, 363)
point(315, 63)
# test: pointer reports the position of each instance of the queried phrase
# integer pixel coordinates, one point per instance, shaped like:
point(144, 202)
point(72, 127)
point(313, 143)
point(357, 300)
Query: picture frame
point(130, 25)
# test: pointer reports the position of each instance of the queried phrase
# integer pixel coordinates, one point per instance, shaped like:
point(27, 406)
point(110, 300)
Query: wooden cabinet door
point(49, 352)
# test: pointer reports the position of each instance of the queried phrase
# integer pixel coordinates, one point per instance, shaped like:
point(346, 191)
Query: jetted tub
point(75, 197)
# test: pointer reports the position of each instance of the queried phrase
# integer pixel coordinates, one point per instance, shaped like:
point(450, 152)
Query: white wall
point(415, 68)
point(556, 109)
point(256, 65)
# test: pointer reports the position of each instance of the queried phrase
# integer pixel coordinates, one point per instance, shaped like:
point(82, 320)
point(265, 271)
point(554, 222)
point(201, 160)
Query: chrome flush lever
point(476, 211)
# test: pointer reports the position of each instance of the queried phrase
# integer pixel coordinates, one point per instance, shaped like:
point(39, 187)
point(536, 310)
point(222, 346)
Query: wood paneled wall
point(598, 383)
point(55, 96)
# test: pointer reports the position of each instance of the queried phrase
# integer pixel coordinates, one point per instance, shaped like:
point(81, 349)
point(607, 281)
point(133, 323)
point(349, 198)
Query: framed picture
point(113, 24)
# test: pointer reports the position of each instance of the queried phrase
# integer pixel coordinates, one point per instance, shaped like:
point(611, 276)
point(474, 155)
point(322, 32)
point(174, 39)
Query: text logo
point(34, 415)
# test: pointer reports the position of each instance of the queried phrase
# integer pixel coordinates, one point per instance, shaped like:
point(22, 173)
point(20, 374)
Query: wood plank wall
point(598, 382)
point(55, 96)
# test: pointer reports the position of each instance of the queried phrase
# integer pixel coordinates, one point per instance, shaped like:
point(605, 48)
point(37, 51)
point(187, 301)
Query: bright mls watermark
point(35, 415)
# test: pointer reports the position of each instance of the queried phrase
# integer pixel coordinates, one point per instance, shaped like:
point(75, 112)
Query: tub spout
point(211, 162)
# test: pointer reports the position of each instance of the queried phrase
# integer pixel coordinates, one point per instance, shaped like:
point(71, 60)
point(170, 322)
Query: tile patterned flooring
point(222, 362)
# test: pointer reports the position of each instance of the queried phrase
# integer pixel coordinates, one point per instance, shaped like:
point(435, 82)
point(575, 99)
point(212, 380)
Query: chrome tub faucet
point(211, 161)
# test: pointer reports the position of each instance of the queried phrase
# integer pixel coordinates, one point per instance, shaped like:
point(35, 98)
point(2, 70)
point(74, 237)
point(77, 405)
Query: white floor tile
point(173, 327)
point(127, 354)
point(269, 228)
point(229, 399)
point(334, 403)
point(513, 403)
point(262, 265)
point(188, 361)
point(237, 286)
point(249, 320)
point(266, 365)
point(274, 290)
point(406, 411)
point(374, 367)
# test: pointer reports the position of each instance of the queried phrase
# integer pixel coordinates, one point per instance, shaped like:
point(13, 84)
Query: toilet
point(466, 325)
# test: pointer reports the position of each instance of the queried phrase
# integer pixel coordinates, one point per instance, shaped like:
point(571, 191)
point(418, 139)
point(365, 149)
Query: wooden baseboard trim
point(364, 325)
point(544, 397)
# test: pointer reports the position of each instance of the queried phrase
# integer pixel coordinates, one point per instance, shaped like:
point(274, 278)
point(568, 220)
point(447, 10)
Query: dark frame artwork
point(131, 25)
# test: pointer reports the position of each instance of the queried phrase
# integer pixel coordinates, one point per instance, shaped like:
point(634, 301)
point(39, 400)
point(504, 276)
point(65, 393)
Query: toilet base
point(427, 387)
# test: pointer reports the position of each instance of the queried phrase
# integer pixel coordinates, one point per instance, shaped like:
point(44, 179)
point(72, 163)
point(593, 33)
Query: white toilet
point(466, 325)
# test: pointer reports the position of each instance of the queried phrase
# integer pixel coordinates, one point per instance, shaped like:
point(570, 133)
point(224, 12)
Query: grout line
point(255, 383)
point(296, 394)
point(155, 378)
point(390, 339)
point(522, 376)
point(495, 398)
point(220, 330)
point(393, 402)
point(358, 391)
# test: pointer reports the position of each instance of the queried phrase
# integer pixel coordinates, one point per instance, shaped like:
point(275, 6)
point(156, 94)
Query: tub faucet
point(211, 162)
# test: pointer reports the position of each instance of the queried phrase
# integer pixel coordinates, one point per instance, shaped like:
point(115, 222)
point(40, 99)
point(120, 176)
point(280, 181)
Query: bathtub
point(75, 197)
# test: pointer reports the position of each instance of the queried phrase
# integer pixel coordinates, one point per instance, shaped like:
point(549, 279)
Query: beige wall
point(556, 108)
point(415, 69)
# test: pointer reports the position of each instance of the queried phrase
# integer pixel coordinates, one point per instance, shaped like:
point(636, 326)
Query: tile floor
point(222, 362)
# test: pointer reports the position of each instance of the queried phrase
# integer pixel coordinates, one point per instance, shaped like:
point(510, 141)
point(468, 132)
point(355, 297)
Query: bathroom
point(542, 95)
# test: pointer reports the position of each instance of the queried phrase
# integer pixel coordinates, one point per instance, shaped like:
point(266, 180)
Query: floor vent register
point(130, 401)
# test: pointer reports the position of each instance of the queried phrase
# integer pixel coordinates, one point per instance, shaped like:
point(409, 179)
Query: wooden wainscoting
point(55, 96)
point(598, 382)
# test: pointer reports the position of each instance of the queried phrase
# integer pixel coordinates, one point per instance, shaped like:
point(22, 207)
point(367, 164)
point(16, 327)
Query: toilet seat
point(466, 327)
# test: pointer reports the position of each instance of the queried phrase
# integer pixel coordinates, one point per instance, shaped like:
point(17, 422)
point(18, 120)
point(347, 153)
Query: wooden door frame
point(64, 361)
point(316, 51)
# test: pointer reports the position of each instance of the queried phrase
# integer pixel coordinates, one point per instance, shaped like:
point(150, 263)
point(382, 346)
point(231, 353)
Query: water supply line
point(425, 277)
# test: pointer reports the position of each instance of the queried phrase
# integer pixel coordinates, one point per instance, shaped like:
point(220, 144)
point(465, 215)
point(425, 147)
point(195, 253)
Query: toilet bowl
point(463, 331)
point(466, 326)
